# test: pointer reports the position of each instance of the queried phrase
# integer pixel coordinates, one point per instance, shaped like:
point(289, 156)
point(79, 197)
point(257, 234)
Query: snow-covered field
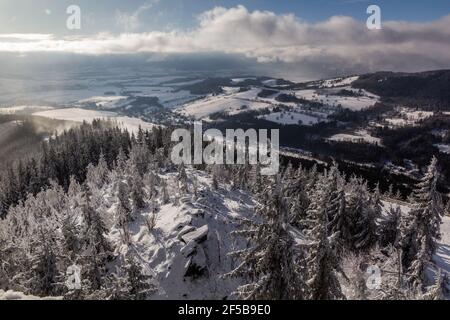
point(332, 99)
point(230, 102)
point(361, 136)
point(289, 118)
point(80, 115)
point(338, 82)
point(408, 118)
point(105, 102)
point(23, 109)
point(444, 148)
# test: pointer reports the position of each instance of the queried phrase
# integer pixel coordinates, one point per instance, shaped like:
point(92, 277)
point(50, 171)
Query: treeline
point(68, 155)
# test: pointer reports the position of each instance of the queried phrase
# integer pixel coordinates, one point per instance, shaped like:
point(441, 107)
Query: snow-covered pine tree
point(333, 186)
point(272, 263)
point(297, 193)
point(182, 179)
point(129, 282)
point(323, 263)
point(139, 285)
point(363, 213)
point(341, 222)
point(97, 175)
point(164, 193)
point(389, 228)
point(121, 161)
point(137, 191)
point(124, 209)
point(97, 249)
point(421, 228)
point(367, 225)
point(44, 270)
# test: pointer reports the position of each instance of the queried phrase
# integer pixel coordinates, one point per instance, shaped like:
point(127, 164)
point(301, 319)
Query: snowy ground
point(194, 233)
point(406, 117)
point(330, 98)
point(361, 136)
point(23, 109)
point(338, 82)
point(444, 148)
point(230, 102)
point(105, 102)
point(80, 115)
point(289, 118)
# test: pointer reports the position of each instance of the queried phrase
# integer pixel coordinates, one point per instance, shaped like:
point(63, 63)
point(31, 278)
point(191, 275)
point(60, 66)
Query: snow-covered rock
point(199, 235)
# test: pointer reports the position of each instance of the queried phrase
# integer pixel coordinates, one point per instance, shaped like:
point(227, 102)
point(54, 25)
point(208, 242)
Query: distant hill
point(430, 88)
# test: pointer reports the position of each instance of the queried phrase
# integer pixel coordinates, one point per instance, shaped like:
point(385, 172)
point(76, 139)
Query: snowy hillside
point(187, 248)
point(80, 115)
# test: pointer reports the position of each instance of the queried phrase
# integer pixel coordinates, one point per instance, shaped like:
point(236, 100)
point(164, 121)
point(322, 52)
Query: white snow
point(331, 99)
point(361, 136)
point(239, 80)
point(194, 231)
point(231, 103)
point(338, 82)
point(289, 118)
point(23, 109)
point(80, 115)
point(106, 102)
point(270, 82)
point(406, 117)
point(443, 148)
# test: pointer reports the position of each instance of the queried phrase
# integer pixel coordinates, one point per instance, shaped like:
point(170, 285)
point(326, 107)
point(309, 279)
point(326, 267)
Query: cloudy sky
point(330, 35)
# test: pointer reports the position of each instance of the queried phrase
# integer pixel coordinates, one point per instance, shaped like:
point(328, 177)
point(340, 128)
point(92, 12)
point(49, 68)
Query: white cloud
point(130, 21)
point(339, 42)
point(25, 37)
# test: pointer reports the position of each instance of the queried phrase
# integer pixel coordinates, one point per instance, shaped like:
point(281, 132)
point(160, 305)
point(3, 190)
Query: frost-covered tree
point(129, 282)
point(296, 192)
point(389, 228)
point(366, 226)
point(124, 209)
point(272, 262)
point(137, 191)
point(97, 249)
point(121, 161)
point(164, 193)
point(363, 211)
point(44, 269)
point(421, 227)
point(139, 284)
point(323, 263)
point(182, 179)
